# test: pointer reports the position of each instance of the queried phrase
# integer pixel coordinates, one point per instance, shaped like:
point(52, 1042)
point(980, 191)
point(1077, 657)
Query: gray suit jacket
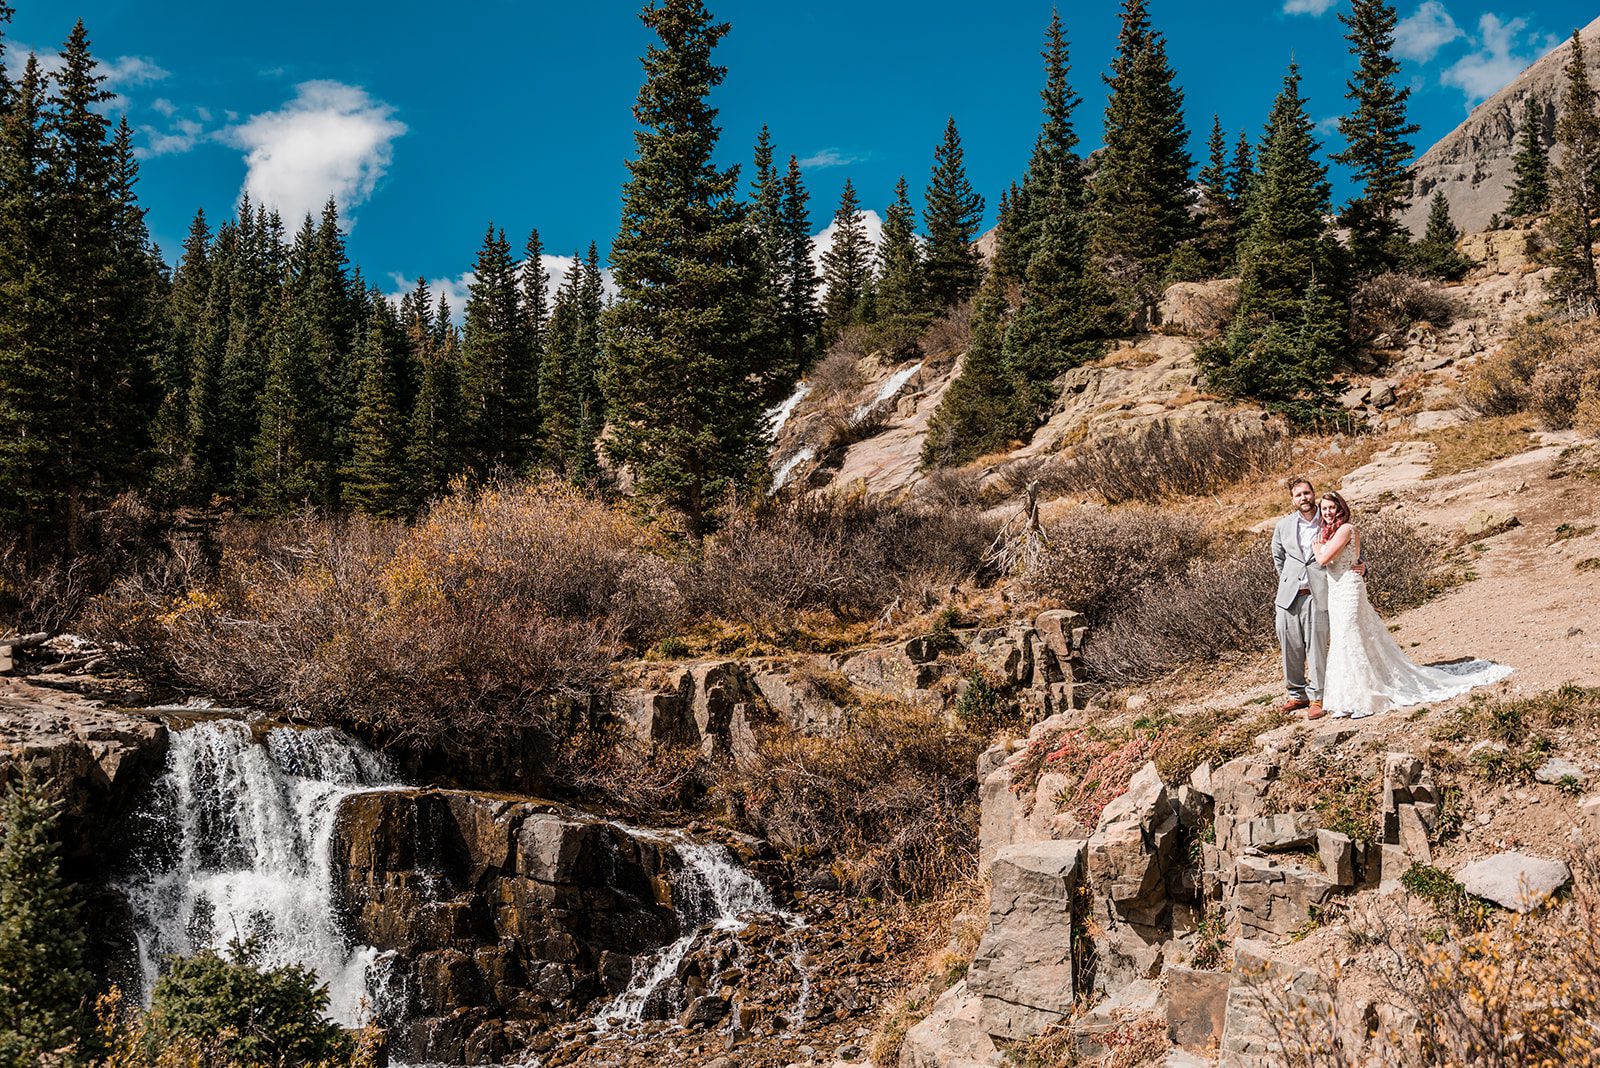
point(1295, 570)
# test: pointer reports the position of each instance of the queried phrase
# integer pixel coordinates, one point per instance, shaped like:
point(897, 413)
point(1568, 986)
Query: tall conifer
point(1375, 133)
point(801, 320)
point(498, 386)
point(1219, 216)
point(376, 477)
point(42, 944)
point(1142, 190)
point(684, 419)
point(952, 267)
point(1530, 187)
point(846, 266)
point(902, 298)
point(1575, 191)
point(979, 412)
point(291, 455)
point(1286, 334)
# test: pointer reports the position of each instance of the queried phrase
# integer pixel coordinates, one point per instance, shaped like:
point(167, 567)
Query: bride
point(1367, 673)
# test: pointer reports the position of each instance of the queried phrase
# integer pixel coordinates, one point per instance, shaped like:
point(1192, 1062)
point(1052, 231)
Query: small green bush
point(252, 1017)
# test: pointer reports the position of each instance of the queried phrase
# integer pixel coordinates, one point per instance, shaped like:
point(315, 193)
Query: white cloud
point(162, 106)
point(830, 157)
point(180, 136)
point(332, 140)
point(1495, 58)
point(1422, 33)
point(121, 73)
point(1308, 7)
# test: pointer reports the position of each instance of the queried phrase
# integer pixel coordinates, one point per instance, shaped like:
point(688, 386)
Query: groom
point(1302, 602)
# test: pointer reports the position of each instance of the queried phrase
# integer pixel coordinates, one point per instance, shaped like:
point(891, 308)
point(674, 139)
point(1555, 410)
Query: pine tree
point(33, 397)
point(1530, 189)
point(290, 455)
point(376, 476)
point(800, 319)
point(1219, 216)
point(98, 260)
point(176, 372)
point(979, 412)
point(1054, 160)
point(497, 385)
point(43, 979)
point(257, 271)
point(433, 450)
point(1436, 253)
point(1375, 133)
point(1285, 256)
point(1141, 184)
point(1241, 176)
point(1066, 311)
point(776, 378)
point(534, 282)
point(846, 267)
point(952, 266)
point(1575, 191)
point(683, 417)
point(902, 300)
point(559, 405)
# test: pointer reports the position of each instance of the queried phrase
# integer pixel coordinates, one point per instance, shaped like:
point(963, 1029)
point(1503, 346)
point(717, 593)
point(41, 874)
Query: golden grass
point(1473, 444)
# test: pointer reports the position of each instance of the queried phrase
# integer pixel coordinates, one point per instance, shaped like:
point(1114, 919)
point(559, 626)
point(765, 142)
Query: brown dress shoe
point(1293, 703)
point(1315, 711)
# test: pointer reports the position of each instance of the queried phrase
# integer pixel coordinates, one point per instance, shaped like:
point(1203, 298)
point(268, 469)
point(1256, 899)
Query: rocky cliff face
point(501, 915)
point(1472, 164)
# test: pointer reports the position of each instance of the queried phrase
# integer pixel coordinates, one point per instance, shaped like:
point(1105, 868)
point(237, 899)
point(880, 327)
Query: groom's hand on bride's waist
point(1360, 568)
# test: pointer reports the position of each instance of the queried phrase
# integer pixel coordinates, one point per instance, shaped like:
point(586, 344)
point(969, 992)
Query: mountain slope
point(1472, 164)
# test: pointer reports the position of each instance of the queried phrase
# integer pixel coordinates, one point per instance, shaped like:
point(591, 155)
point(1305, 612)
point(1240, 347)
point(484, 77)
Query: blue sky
point(430, 121)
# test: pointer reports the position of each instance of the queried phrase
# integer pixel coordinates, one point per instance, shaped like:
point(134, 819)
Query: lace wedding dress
point(1367, 673)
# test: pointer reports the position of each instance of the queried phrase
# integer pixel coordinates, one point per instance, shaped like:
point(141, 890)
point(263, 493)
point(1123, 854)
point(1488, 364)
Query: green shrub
point(252, 1017)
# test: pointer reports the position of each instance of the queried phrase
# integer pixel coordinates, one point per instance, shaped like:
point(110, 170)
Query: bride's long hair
point(1341, 515)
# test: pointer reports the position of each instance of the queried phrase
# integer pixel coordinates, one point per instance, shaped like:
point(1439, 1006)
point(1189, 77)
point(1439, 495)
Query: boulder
point(1514, 880)
point(1276, 899)
point(1136, 999)
point(1337, 853)
point(1197, 1003)
point(1198, 309)
point(1558, 770)
point(1265, 991)
point(1023, 967)
point(1488, 523)
point(1131, 849)
point(1280, 832)
point(950, 1036)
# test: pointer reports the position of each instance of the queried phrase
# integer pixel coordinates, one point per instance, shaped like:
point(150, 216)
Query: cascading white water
point(711, 890)
point(251, 829)
point(779, 413)
point(890, 388)
point(781, 477)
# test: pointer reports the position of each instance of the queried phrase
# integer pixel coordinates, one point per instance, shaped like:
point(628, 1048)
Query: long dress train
point(1367, 672)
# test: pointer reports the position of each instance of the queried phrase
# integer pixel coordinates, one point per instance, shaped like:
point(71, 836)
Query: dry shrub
point(950, 334)
point(912, 833)
point(1563, 385)
point(1169, 458)
point(47, 588)
point(1222, 603)
point(1390, 303)
point(837, 374)
point(1502, 383)
point(478, 623)
point(851, 556)
point(1099, 559)
point(1402, 566)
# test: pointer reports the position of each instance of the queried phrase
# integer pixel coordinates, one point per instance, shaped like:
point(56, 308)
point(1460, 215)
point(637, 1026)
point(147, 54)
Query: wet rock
point(704, 1012)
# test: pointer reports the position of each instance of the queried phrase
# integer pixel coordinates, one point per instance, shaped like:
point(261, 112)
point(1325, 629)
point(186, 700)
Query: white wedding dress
point(1367, 673)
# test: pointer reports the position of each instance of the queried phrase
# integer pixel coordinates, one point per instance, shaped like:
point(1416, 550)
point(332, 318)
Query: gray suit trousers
point(1303, 636)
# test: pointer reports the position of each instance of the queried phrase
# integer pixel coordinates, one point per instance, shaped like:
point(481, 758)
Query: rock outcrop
point(502, 916)
point(92, 758)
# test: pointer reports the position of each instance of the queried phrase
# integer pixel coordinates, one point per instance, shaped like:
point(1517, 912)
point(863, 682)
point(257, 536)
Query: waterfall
point(782, 476)
point(711, 891)
point(890, 388)
point(242, 832)
point(779, 413)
